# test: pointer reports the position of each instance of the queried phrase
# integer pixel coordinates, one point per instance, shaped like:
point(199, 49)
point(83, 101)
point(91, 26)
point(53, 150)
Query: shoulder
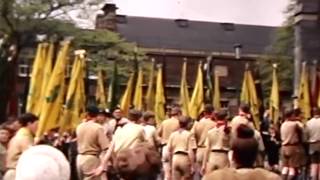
point(267, 174)
point(226, 173)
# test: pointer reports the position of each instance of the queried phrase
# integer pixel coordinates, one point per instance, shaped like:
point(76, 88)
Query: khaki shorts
point(314, 152)
point(181, 167)
point(85, 165)
point(199, 155)
point(293, 156)
point(217, 160)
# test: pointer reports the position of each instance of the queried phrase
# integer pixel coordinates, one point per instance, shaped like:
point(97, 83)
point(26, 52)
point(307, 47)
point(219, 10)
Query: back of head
point(245, 108)
point(221, 115)
point(316, 111)
point(134, 115)
point(184, 121)
point(288, 113)
point(244, 146)
point(175, 111)
point(148, 115)
point(208, 109)
point(42, 162)
point(27, 118)
point(92, 111)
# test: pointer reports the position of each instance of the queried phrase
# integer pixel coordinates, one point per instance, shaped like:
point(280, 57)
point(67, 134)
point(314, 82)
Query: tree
point(21, 21)
point(281, 53)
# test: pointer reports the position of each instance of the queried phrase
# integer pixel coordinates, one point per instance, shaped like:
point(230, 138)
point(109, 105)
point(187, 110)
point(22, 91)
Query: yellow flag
point(33, 103)
point(216, 95)
point(51, 108)
point(254, 101)
point(150, 97)
point(74, 100)
point(138, 94)
point(244, 97)
point(274, 97)
point(100, 90)
point(127, 96)
point(196, 103)
point(184, 92)
point(304, 95)
point(160, 98)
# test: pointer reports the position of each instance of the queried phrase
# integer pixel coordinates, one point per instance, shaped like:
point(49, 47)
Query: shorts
point(217, 160)
point(314, 152)
point(293, 156)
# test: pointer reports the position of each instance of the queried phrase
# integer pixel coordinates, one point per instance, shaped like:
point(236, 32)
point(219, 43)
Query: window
point(221, 70)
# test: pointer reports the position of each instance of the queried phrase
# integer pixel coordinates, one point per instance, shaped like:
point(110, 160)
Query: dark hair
point(208, 109)
point(184, 121)
point(147, 115)
point(92, 111)
point(245, 108)
point(245, 147)
point(221, 115)
point(316, 111)
point(134, 115)
point(27, 118)
point(288, 113)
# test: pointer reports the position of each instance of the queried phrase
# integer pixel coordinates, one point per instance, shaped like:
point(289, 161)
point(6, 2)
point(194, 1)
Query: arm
point(191, 151)
point(104, 161)
point(205, 155)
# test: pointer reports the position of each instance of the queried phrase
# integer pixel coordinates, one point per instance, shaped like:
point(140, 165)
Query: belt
point(219, 151)
point(181, 153)
point(201, 146)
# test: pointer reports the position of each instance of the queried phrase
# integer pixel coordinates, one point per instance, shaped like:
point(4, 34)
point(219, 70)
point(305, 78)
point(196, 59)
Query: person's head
point(288, 114)
point(176, 111)
point(102, 116)
point(149, 118)
point(30, 121)
point(208, 110)
point(316, 112)
point(297, 113)
point(244, 109)
point(117, 114)
point(5, 134)
point(244, 147)
point(13, 123)
point(221, 115)
point(92, 112)
point(134, 115)
point(184, 122)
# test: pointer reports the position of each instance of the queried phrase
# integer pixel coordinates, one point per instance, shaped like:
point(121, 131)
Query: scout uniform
point(242, 174)
point(167, 127)
point(151, 135)
point(292, 150)
point(200, 131)
point(3, 154)
point(238, 120)
point(180, 144)
point(22, 140)
point(217, 148)
point(313, 135)
point(129, 136)
point(261, 149)
point(91, 143)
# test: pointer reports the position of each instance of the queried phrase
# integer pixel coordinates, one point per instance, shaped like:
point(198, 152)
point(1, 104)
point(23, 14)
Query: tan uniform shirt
point(128, 136)
point(237, 121)
point(17, 145)
point(181, 141)
point(289, 132)
point(217, 139)
point(3, 154)
point(313, 130)
point(91, 139)
point(151, 134)
point(201, 129)
point(167, 127)
point(242, 174)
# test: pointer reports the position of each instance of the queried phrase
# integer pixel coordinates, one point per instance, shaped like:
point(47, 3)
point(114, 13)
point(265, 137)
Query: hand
point(98, 171)
point(203, 170)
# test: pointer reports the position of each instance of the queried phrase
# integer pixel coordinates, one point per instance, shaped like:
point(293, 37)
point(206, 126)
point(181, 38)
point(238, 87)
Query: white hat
point(42, 162)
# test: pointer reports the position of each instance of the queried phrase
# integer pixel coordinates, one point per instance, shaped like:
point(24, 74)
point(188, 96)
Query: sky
point(258, 12)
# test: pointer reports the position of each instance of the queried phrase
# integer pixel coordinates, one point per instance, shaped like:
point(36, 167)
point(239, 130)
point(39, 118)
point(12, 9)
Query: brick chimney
point(107, 20)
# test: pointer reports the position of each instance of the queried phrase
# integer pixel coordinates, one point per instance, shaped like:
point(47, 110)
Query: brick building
point(170, 41)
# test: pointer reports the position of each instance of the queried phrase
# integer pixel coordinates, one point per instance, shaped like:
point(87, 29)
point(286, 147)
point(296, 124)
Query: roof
point(195, 35)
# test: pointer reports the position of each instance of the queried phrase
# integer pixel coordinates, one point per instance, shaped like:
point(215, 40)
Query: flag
point(100, 90)
point(209, 91)
point(184, 92)
point(127, 96)
point(150, 97)
point(249, 96)
point(160, 98)
point(51, 108)
point(138, 94)
point(113, 89)
point(34, 94)
point(274, 97)
point(216, 95)
point(304, 94)
point(75, 97)
point(196, 102)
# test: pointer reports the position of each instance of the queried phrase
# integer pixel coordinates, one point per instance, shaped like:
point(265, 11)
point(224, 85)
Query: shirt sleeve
point(102, 139)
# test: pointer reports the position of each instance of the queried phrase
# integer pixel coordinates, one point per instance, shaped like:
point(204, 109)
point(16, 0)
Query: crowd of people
point(111, 145)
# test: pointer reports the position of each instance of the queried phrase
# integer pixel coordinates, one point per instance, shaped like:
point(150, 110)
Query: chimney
point(107, 20)
point(183, 23)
